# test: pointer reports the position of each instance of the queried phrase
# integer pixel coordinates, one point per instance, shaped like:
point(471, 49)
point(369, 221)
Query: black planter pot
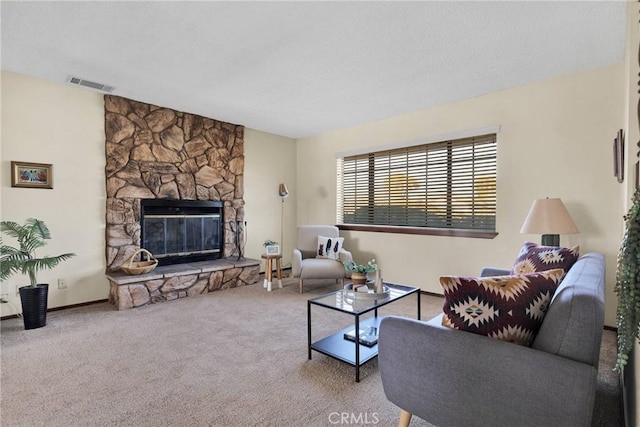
point(34, 305)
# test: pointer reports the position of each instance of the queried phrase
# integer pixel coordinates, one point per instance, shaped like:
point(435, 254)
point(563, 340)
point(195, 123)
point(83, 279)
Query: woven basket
point(139, 267)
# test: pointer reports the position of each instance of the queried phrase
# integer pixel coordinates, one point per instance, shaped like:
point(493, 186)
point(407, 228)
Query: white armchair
point(305, 265)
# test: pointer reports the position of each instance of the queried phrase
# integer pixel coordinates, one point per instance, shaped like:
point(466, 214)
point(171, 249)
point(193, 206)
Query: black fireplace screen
point(177, 231)
point(181, 235)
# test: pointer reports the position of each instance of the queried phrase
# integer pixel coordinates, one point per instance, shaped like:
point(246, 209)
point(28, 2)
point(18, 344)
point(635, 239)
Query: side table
point(268, 270)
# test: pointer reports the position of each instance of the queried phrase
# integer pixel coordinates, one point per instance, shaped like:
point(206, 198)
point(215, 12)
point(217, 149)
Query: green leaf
point(627, 286)
point(23, 259)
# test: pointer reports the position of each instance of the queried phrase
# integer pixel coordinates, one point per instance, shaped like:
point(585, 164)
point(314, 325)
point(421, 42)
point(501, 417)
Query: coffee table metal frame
point(335, 345)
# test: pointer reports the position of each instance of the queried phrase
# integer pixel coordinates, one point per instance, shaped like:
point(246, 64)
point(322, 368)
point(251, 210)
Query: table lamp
point(550, 218)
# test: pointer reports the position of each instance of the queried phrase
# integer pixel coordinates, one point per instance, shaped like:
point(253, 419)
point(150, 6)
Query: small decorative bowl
point(349, 292)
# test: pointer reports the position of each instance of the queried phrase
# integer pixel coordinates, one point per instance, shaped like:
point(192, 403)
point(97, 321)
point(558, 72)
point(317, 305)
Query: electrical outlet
point(62, 284)
point(17, 291)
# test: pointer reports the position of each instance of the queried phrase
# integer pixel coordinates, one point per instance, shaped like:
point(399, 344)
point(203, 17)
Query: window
point(442, 185)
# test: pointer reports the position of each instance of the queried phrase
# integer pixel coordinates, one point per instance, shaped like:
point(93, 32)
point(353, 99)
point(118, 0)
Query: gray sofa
point(455, 378)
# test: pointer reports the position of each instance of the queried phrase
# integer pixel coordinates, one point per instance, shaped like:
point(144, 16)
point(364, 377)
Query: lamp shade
point(548, 216)
point(282, 190)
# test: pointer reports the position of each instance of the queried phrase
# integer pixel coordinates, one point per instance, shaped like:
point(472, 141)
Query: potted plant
point(359, 271)
point(271, 247)
point(22, 259)
point(627, 285)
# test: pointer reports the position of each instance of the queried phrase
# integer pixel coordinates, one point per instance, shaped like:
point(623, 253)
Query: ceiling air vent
point(93, 85)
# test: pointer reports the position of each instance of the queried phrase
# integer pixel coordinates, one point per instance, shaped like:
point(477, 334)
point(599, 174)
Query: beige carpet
point(236, 357)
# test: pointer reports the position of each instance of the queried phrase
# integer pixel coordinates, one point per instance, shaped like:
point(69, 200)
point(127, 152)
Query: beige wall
point(555, 141)
point(55, 123)
point(269, 160)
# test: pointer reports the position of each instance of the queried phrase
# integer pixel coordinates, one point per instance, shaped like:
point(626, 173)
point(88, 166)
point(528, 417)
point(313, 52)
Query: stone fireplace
point(160, 155)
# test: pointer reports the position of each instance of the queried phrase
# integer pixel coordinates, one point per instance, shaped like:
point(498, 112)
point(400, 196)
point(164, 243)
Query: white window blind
point(448, 184)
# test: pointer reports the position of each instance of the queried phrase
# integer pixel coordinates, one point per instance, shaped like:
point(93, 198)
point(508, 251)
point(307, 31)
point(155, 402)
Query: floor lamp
point(283, 192)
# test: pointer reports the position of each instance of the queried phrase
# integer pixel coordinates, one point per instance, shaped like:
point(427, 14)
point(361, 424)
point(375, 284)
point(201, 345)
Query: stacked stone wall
point(154, 152)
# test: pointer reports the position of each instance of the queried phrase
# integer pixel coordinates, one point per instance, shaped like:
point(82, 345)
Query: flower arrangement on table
point(359, 271)
point(271, 247)
point(369, 267)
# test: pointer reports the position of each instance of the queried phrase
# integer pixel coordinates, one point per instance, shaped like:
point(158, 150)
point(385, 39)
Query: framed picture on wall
point(31, 175)
point(618, 156)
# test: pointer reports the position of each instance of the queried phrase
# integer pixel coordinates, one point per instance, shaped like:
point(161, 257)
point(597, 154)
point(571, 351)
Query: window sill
point(450, 232)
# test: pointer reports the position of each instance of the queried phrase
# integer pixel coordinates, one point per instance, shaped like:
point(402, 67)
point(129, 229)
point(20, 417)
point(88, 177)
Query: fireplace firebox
point(182, 231)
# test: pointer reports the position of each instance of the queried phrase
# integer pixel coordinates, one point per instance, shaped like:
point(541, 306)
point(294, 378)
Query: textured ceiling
point(303, 68)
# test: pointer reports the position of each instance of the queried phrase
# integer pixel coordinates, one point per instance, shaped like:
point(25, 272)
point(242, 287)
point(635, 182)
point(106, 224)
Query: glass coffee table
point(341, 348)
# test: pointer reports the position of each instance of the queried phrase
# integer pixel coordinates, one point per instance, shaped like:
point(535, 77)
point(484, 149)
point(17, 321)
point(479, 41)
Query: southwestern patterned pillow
point(508, 308)
point(534, 257)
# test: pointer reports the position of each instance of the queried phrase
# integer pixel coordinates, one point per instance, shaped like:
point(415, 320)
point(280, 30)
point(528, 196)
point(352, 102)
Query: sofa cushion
point(307, 240)
point(508, 308)
point(329, 247)
point(573, 324)
point(533, 258)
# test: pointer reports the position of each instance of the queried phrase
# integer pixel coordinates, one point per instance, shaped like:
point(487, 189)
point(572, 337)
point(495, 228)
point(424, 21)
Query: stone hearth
point(171, 282)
